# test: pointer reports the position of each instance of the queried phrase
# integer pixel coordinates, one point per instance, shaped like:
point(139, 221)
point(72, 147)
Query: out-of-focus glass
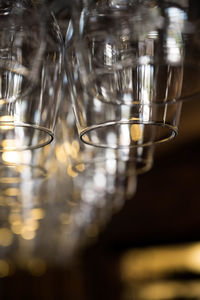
point(31, 60)
point(83, 157)
point(102, 178)
point(142, 157)
point(48, 209)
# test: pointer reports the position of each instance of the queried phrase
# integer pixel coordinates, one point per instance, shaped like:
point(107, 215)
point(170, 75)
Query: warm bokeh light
point(31, 224)
point(193, 258)
point(6, 237)
point(6, 122)
point(37, 213)
point(169, 289)
point(60, 154)
point(72, 149)
point(160, 261)
point(9, 144)
point(136, 132)
point(11, 156)
point(70, 172)
point(9, 180)
point(3, 101)
point(161, 273)
point(80, 167)
point(76, 145)
point(15, 218)
point(12, 192)
point(17, 228)
point(27, 233)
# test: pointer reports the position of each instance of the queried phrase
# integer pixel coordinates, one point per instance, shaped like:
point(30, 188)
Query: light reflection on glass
point(50, 215)
point(174, 38)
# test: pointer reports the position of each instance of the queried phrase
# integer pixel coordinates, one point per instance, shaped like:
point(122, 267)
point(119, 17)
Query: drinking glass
point(124, 79)
point(82, 156)
point(31, 72)
point(102, 178)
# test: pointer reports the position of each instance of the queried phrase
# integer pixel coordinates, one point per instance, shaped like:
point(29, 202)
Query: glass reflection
point(51, 207)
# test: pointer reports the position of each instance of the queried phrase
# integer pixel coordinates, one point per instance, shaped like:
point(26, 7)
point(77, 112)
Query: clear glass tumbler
point(124, 61)
point(31, 74)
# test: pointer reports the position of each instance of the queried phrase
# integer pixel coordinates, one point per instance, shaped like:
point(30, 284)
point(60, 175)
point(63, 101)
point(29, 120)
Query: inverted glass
point(82, 156)
point(125, 78)
point(31, 54)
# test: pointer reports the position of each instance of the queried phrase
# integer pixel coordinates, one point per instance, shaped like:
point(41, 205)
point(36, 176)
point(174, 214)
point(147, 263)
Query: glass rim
point(13, 125)
point(173, 132)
